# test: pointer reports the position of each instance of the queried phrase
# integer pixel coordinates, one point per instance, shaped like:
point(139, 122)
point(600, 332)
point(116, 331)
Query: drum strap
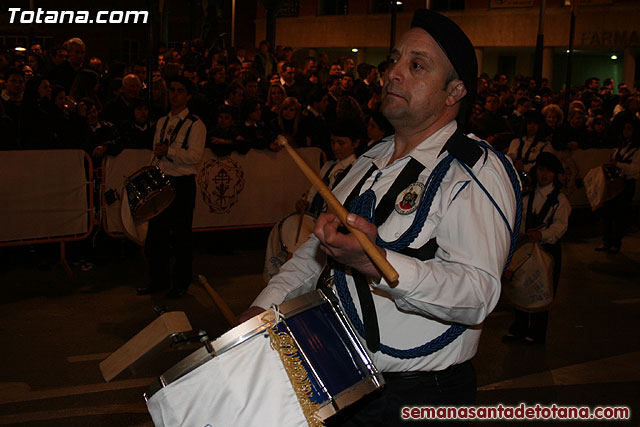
point(626, 157)
point(174, 133)
point(534, 220)
point(525, 158)
point(185, 143)
point(318, 202)
point(467, 152)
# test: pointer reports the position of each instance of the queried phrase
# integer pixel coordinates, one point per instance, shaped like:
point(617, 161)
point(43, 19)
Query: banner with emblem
point(256, 189)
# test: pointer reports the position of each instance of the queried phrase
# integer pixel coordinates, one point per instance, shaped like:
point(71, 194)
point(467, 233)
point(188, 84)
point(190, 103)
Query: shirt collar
point(545, 190)
point(346, 161)
point(427, 152)
point(181, 115)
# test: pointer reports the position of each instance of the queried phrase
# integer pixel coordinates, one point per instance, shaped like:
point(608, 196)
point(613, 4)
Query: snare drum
point(149, 192)
point(243, 377)
point(284, 240)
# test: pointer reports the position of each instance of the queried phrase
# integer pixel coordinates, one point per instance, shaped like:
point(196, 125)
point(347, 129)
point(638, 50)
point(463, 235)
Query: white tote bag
point(530, 287)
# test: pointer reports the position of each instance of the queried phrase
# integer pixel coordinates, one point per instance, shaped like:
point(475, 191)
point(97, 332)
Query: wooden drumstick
point(219, 302)
point(387, 270)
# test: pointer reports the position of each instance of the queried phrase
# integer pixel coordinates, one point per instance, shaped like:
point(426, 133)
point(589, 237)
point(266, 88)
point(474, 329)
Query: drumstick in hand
point(389, 273)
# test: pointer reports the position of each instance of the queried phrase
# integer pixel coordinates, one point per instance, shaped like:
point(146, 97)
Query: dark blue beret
point(454, 43)
point(549, 161)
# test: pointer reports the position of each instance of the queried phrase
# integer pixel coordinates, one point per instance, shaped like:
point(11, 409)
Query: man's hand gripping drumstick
point(356, 249)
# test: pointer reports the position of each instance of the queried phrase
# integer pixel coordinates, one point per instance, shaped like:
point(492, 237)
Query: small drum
point(300, 372)
point(282, 241)
point(149, 192)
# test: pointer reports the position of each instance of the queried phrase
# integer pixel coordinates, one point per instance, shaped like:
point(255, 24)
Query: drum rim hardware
point(372, 379)
point(132, 187)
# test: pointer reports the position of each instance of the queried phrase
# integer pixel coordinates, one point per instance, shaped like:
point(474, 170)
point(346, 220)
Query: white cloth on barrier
point(283, 241)
point(258, 188)
point(43, 193)
point(246, 386)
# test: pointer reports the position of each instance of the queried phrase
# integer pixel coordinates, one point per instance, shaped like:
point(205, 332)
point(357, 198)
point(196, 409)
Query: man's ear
point(456, 91)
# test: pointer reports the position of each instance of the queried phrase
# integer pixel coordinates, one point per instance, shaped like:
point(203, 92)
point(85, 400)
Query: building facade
point(606, 38)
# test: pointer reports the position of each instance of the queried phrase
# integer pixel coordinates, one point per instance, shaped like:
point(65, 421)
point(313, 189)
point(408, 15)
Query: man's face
point(544, 176)
point(577, 120)
point(236, 97)
point(288, 74)
point(28, 71)
point(76, 54)
point(311, 68)
point(60, 56)
point(225, 120)
point(323, 104)
point(251, 89)
point(342, 147)
point(92, 115)
point(246, 67)
point(502, 80)
point(336, 88)
point(414, 85)
point(220, 76)
point(519, 94)
point(349, 65)
point(131, 86)
point(491, 104)
point(140, 71)
point(15, 85)
point(594, 84)
point(335, 70)
point(347, 82)
point(44, 90)
point(372, 77)
point(60, 100)
point(178, 95)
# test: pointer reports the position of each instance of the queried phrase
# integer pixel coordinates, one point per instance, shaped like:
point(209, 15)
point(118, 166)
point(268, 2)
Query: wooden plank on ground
point(144, 342)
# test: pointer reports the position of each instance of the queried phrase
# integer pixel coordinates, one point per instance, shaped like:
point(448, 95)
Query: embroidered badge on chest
point(409, 199)
point(336, 173)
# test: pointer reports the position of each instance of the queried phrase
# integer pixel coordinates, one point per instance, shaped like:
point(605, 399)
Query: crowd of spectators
point(59, 99)
point(594, 117)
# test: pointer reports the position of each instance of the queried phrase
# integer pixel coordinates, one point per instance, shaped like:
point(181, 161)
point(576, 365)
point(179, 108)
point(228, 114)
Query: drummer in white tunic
point(449, 244)
point(179, 145)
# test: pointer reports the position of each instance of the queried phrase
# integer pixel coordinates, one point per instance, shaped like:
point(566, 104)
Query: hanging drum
point(149, 192)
